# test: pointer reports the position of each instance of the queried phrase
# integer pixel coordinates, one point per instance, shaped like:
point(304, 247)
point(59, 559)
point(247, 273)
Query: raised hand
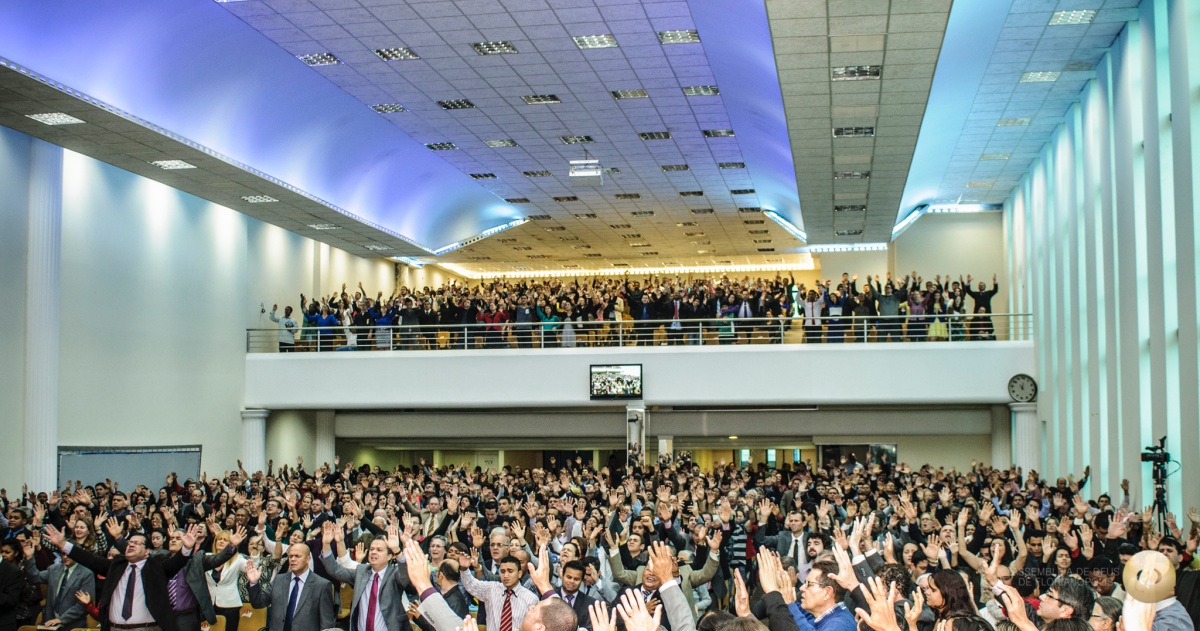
point(661, 562)
point(253, 572)
point(633, 611)
point(845, 576)
point(741, 595)
point(237, 536)
point(55, 536)
point(602, 619)
point(881, 600)
point(540, 575)
point(418, 566)
point(912, 612)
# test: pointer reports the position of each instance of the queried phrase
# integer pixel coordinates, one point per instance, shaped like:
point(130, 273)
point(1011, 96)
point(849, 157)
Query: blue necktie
point(291, 607)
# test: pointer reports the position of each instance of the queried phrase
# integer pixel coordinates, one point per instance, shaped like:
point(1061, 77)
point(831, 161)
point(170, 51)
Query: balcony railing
point(625, 333)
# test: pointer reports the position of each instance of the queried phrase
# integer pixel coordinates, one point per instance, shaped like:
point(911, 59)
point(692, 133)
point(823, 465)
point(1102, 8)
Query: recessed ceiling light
point(522, 248)
point(378, 247)
point(1043, 76)
point(702, 242)
point(170, 165)
point(851, 175)
point(555, 228)
point(675, 167)
point(628, 196)
point(855, 73)
point(536, 173)
point(619, 226)
point(538, 217)
point(850, 208)
point(388, 108)
point(541, 99)
point(1013, 122)
point(568, 238)
point(749, 209)
point(483, 176)
point(731, 165)
point(507, 240)
point(995, 156)
point(496, 144)
point(741, 191)
point(480, 258)
point(1078, 16)
point(612, 171)
point(537, 256)
point(565, 198)
point(581, 247)
point(593, 255)
point(754, 222)
point(441, 146)
point(678, 37)
point(319, 59)
point(56, 118)
point(585, 42)
point(396, 54)
point(759, 231)
point(853, 132)
point(691, 193)
point(686, 224)
point(650, 253)
point(637, 244)
point(324, 226)
point(585, 216)
point(520, 267)
point(494, 48)
point(456, 104)
point(701, 90)
point(620, 264)
point(702, 251)
point(654, 135)
point(718, 133)
point(571, 266)
point(642, 213)
point(702, 211)
point(980, 184)
point(517, 200)
point(765, 249)
point(576, 140)
point(693, 234)
point(848, 233)
point(258, 199)
point(621, 95)
point(761, 240)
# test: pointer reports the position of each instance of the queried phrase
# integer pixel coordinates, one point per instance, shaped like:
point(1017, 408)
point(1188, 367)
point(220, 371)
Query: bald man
point(303, 601)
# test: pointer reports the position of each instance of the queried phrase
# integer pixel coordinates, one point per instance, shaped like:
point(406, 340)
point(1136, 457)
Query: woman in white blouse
point(223, 584)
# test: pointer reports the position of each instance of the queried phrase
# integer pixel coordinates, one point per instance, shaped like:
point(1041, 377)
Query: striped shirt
point(492, 594)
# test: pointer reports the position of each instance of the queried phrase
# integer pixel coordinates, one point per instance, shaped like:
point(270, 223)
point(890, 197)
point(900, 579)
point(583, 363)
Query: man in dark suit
point(572, 578)
point(135, 590)
point(62, 580)
point(450, 589)
point(304, 601)
point(378, 603)
point(11, 582)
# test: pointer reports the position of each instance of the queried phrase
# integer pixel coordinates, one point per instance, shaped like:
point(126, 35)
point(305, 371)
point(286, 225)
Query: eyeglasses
point(1047, 596)
point(811, 585)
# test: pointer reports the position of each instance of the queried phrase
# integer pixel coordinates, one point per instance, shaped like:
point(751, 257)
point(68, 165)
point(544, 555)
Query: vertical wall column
point(1002, 444)
point(254, 440)
point(666, 445)
point(43, 252)
point(1027, 437)
point(325, 448)
point(635, 429)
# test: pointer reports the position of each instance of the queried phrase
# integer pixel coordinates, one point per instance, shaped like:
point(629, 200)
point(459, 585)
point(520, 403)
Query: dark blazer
point(10, 595)
point(315, 607)
point(155, 574)
point(582, 602)
point(391, 588)
point(72, 613)
point(197, 565)
point(457, 603)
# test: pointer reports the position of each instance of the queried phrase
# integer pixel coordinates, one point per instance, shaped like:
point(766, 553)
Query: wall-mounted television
point(616, 381)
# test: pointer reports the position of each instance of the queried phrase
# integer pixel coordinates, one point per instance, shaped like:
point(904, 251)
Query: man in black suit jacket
point(10, 595)
point(572, 579)
point(448, 586)
point(135, 590)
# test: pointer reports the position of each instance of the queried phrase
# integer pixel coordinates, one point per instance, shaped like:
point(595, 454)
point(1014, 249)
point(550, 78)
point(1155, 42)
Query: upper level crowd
point(801, 547)
point(658, 309)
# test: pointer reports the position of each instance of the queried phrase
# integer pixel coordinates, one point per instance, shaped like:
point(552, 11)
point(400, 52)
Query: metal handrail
point(620, 333)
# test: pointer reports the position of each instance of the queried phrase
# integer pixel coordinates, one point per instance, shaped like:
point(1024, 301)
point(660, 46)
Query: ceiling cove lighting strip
point(566, 273)
point(786, 225)
point(90, 100)
point(479, 237)
point(942, 209)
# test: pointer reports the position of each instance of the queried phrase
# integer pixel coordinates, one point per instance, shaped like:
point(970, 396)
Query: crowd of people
point(653, 310)
point(625, 547)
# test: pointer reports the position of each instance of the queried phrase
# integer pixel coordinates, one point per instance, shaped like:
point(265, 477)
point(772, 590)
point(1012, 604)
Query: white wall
point(14, 200)
point(937, 449)
point(428, 276)
point(954, 244)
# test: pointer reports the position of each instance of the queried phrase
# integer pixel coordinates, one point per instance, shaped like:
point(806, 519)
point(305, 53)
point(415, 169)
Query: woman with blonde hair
point(223, 583)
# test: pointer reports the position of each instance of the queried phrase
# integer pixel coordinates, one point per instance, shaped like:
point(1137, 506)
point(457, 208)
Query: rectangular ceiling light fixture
point(388, 108)
point(1043, 76)
point(517, 200)
point(1078, 16)
point(585, 216)
point(741, 191)
point(749, 209)
point(761, 240)
point(396, 54)
point(541, 99)
point(581, 247)
point(642, 213)
point(494, 48)
point(585, 42)
point(522, 248)
point(324, 226)
point(650, 253)
point(691, 193)
point(441, 146)
point(55, 118)
point(654, 135)
point(718, 133)
point(555, 229)
point(621, 95)
point(731, 165)
point(378, 247)
point(536, 173)
point(995, 156)
point(593, 255)
point(686, 224)
point(848, 233)
point(170, 165)
point(612, 171)
point(456, 104)
point(855, 73)
point(701, 90)
point(979, 184)
point(674, 167)
point(851, 175)
point(632, 235)
point(693, 234)
point(483, 176)
point(679, 37)
point(539, 217)
point(566, 198)
point(702, 211)
point(753, 222)
point(850, 208)
point(480, 258)
point(619, 226)
point(766, 249)
point(853, 132)
point(504, 142)
point(259, 199)
point(319, 59)
point(1014, 122)
point(576, 140)
point(628, 196)
point(702, 242)
point(764, 231)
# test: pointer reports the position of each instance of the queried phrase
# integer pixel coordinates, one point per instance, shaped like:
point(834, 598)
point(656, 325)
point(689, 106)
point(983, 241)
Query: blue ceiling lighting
point(742, 57)
point(197, 70)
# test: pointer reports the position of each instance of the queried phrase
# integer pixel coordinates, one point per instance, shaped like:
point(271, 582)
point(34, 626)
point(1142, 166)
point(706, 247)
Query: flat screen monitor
point(616, 382)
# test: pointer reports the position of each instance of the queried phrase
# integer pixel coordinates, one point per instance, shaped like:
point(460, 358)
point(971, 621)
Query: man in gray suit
point(62, 580)
point(304, 601)
point(378, 603)
point(790, 542)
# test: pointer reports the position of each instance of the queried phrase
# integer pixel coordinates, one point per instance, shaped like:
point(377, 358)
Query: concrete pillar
point(325, 440)
point(437, 459)
point(635, 430)
point(254, 440)
point(1027, 437)
point(43, 253)
point(666, 445)
point(1002, 444)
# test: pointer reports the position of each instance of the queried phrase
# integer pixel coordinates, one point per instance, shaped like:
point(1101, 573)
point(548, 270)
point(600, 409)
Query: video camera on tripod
point(1158, 457)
